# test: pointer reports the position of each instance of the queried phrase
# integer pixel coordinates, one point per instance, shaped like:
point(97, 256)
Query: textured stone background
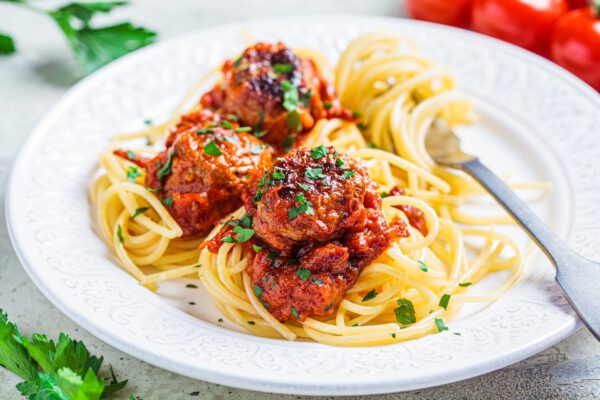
point(33, 80)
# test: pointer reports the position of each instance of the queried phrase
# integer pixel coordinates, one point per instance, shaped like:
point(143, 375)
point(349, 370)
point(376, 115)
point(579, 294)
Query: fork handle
point(555, 248)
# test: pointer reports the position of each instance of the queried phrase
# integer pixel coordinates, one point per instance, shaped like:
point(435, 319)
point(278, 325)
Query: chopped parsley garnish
point(304, 186)
point(319, 152)
point(288, 142)
point(356, 114)
point(168, 201)
point(348, 174)
point(191, 303)
point(148, 122)
point(305, 98)
point(464, 284)
point(294, 312)
point(212, 149)
point(263, 179)
point(329, 307)
point(405, 313)
point(444, 300)
point(441, 326)
point(198, 266)
point(257, 196)
point(256, 149)
point(120, 234)
point(372, 146)
point(228, 239)
point(371, 295)
point(133, 172)
point(131, 155)
point(243, 234)
point(242, 129)
point(327, 105)
point(226, 124)
point(384, 195)
point(394, 335)
point(315, 173)
point(139, 211)
point(290, 103)
point(256, 248)
point(238, 61)
point(202, 131)
point(251, 322)
point(294, 120)
point(152, 190)
point(258, 290)
point(304, 207)
point(166, 169)
point(220, 320)
point(339, 161)
point(191, 286)
point(422, 266)
point(278, 173)
point(303, 273)
point(283, 68)
point(457, 333)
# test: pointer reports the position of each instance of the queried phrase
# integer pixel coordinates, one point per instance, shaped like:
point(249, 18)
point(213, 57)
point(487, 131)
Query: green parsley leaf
point(139, 211)
point(7, 45)
point(339, 161)
point(212, 149)
point(256, 248)
point(152, 190)
point(303, 273)
point(405, 313)
point(236, 63)
point(232, 139)
point(444, 300)
point(348, 174)
point(371, 295)
point(329, 307)
point(304, 186)
point(422, 266)
point(256, 149)
point(94, 47)
point(327, 105)
point(317, 281)
point(372, 146)
point(314, 173)
point(251, 322)
point(319, 152)
point(384, 195)
point(290, 95)
point(226, 124)
point(120, 234)
point(283, 68)
point(133, 172)
point(148, 122)
point(258, 290)
point(168, 201)
point(278, 173)
point(13, 355)
point(305, 98)
point(305, 207)
point(464, 284)
point(203, 131)
point(457, 333)
point(294, 312)
point(356, 114)
point(242, 129)
point(228, 239)
point(166, 170)
point(394, 335)
point(131, 155)
point(440, 325)
point(191, 286)
point(294, 120)
point(246, 221)
point(243, 234)
point(257, 196)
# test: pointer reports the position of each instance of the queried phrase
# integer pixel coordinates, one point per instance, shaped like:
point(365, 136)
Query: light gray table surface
point(33, 80)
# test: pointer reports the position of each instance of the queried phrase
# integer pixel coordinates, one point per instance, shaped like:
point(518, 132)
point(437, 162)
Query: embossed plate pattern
point(48, 214)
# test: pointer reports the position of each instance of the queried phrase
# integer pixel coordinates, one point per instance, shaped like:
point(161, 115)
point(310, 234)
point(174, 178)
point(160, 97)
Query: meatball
point(200, 177)
point(275, 92)
point(317, 220)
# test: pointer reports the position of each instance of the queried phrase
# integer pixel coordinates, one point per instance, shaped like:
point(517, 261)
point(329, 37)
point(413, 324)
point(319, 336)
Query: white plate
point(537, 121)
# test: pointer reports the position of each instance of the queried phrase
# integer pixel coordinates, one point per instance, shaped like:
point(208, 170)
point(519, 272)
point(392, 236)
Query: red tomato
point(576, 44)
point(454, 12)
point(579, 3)
point(526, 23)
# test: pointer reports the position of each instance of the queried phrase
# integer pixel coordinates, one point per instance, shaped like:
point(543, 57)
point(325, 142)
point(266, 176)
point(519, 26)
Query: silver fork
point(578, 277)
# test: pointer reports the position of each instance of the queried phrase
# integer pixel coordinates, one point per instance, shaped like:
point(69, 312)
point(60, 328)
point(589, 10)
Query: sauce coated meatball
point(317, 220)
point(275, 92)
point(200, 177)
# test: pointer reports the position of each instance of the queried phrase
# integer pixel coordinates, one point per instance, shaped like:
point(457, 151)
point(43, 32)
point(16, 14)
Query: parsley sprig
point(92, 46)
point(61, 370)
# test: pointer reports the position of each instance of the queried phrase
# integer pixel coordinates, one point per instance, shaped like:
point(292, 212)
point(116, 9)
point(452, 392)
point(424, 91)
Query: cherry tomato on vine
point(454, 12)
point(576, 43)
point(526, 23)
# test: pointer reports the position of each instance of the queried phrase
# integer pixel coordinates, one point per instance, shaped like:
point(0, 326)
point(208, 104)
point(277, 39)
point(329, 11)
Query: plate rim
point(284, 385)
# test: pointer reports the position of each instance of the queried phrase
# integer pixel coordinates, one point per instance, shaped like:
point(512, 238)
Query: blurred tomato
point(576, 44)
point(526, 23)
point(454, 12)
point(579, 3)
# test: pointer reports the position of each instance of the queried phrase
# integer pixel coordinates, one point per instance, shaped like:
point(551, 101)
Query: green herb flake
point(283, 68)
point(305, 98)
point(356, 114)
point(133, 173)
point(319, 152)
point(256, 248)
point(166, 170)
point(257, 149)
point(304, 207)
point(441, 326)
point(294, 312)
point(258, 290)
point(228, 239)
point(278, 173)
point(236, 63)
point(303, 273)
point(251, 323)
point(329, 307)
point(457, 333)
point(327, 105)
point(168, 201)
point(422, 266)
point(464, 284)
point(242, 129)
point(191, 286)
point(317, 281)
point(139, 211)
point(444, 300)
point(212, 149)
point(120, 234)
point(203, 131)
point(371, 295)
point(243, 234)
point(131, 155)
point(294, 120)
point(339, 161)
point(348, 174)
point(304, 186)
point(315, 173)
point(384, 195)
point(226, 124)
point(232, 139)
point(405, 313)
